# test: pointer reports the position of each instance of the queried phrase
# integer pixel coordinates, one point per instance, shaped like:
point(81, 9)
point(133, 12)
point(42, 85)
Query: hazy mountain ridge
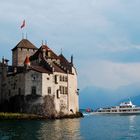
point(135, 100)
point(95, 97)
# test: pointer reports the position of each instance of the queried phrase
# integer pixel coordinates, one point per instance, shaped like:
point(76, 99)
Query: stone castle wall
point(60, 87)
point(19, 55)
point(73, 92)
point(33, 83)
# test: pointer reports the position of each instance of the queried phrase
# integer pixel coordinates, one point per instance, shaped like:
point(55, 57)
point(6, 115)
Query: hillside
point(95, 97)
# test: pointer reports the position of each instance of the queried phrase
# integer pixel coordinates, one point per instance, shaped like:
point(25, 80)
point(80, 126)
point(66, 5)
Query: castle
point(40, 72)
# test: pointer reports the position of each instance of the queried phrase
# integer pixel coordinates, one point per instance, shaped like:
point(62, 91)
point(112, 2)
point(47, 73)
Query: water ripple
point(100, 127)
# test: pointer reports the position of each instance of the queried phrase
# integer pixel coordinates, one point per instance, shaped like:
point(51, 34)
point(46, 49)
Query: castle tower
point(3, 77)
point(21, 50)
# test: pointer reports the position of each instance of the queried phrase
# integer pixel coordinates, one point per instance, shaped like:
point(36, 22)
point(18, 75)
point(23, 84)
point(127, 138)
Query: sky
point(103, 36)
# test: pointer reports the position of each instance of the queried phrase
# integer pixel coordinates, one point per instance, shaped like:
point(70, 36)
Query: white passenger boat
point(123, 108)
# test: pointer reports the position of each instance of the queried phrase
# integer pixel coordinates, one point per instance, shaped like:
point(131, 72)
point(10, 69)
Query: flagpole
point(22, 35)
point(61, 51)
point(22, 28)
point(26, 35)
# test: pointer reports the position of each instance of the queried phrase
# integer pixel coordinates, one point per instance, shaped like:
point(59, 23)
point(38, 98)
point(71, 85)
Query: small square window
point(49, 90)
point(33, 92)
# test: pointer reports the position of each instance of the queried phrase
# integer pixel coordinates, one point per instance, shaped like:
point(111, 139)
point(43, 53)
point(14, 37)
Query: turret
point(5, 61)
point(27, 62)
point(72, 59)
point(19, 52)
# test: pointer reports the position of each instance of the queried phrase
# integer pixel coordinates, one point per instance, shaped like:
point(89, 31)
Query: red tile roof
point(52, 54)
point(27, 61)
point(65, 63)
point(39, 53)
point(63, 60)
point(40, 69)
point(58, 68)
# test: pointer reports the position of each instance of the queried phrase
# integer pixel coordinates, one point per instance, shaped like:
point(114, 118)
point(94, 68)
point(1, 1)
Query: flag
point(23, 24)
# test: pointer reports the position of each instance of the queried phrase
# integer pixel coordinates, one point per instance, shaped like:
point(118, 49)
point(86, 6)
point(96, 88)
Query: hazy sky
point(103, 35)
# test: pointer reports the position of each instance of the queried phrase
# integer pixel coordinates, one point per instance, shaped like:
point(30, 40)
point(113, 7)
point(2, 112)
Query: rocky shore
point(23, 116)
point(32, 107)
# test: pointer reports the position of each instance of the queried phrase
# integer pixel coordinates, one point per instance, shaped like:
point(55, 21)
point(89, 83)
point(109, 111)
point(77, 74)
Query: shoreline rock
point(22, 116)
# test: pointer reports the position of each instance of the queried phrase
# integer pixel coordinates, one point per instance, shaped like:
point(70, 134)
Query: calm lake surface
point(95, 127)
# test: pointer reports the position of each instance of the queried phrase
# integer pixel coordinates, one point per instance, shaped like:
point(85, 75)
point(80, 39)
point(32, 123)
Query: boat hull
point(124, 108)
point(121, 113)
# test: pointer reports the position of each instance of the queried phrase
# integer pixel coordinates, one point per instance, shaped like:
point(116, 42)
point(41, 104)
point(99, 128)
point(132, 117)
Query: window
point(55, 78)
point(63, 78)
point(33, 90)
point(63, 90)
point(66, 90)
point(60, 89)
point(34, 77)
point(66, 78)
point(60, 78)
point(19, 91)
point(57, 93)
point(49, 90)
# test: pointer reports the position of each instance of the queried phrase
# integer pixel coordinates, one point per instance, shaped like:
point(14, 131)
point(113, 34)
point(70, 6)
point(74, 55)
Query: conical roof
point(27, 61)
point(63, 59)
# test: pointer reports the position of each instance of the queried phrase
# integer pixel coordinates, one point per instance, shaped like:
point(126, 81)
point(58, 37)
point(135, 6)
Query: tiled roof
point(19, 69)
point(65, 63)
point(39, 53)
point(45, 47)
point(53, 55)
point(63, 60)
point(27, 61)
point(58, 68)
point(40, 69)
point(24, 43)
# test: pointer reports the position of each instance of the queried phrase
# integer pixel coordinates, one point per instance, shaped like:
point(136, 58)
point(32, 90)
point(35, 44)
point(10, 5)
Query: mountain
point(95, 97)
point(135, 100)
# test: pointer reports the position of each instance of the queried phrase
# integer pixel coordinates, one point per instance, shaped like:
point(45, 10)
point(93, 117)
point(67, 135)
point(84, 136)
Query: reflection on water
point(131, 118)
point(132, 129)
point(60, 130)
point(40, 130)
point(95, 127)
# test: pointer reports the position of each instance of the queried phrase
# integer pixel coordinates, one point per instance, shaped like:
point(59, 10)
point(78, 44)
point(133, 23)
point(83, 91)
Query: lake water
point(96, 127)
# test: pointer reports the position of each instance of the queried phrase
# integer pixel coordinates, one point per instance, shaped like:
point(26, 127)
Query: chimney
point(44, 52)
point(49, 53)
